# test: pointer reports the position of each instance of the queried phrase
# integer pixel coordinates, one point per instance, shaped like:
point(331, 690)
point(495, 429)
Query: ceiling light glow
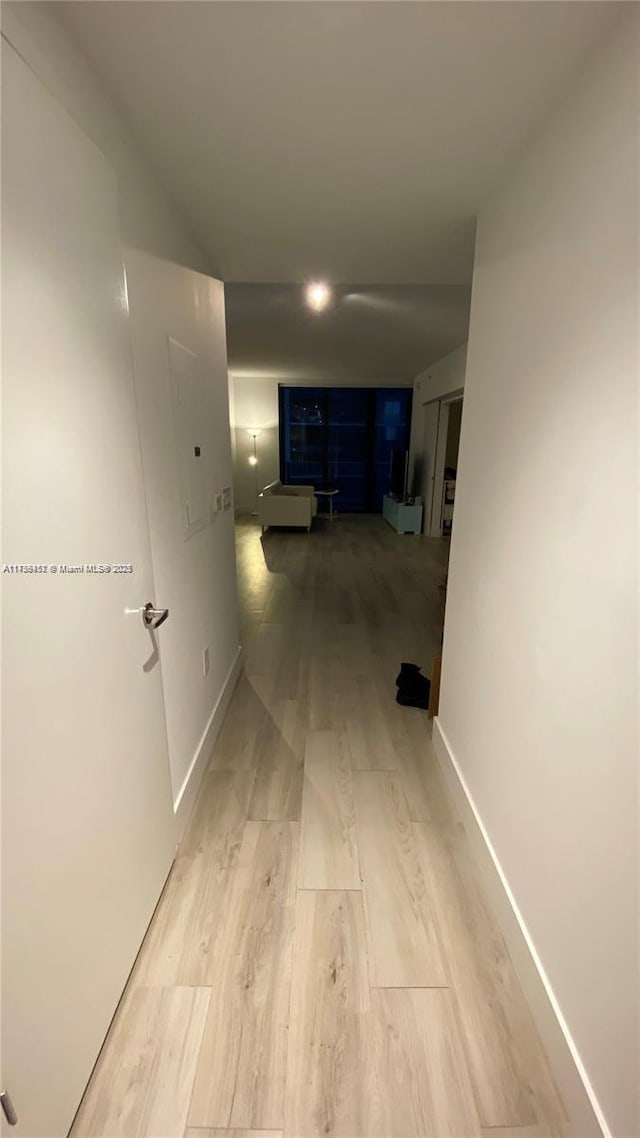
point(318, 296)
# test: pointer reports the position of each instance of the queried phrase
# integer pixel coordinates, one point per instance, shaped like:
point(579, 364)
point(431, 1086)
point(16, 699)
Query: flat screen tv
point(398, 474)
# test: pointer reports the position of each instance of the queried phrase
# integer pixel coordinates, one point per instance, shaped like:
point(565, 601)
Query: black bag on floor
point(413, 688)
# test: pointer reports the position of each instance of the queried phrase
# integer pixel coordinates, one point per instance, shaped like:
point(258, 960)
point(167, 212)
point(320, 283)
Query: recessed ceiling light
point(318, 296)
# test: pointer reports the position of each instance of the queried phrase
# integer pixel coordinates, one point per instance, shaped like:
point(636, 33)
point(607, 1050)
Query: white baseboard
point(189, 790)
point(585, 1113)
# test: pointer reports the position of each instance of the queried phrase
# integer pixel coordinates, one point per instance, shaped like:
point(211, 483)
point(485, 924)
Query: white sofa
point(280, 505)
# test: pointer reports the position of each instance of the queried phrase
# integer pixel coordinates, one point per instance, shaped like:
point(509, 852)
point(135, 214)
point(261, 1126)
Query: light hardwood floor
point(322, 962)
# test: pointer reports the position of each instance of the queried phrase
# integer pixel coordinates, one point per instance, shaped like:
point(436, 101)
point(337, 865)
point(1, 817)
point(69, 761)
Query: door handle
point(8, 1109)
point(152, 617)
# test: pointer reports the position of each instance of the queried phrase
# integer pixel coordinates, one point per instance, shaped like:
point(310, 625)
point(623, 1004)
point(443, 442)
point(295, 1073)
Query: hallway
point(321, 961)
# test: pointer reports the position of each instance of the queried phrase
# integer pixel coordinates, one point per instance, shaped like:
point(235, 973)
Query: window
point(341, 438)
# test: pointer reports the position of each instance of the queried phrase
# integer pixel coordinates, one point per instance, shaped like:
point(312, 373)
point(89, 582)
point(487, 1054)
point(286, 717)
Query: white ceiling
point(373, 332)
point(350, 140)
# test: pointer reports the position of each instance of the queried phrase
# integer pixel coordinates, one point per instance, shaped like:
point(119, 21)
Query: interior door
point(87, 818)
point(188, 418)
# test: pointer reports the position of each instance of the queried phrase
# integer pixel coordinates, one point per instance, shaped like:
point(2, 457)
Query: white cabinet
point(403, 517)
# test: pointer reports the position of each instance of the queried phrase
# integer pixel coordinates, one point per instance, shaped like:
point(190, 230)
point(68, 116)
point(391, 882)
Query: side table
point(330, 494)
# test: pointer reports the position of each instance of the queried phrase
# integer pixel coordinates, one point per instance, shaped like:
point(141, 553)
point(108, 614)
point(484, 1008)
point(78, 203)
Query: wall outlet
point(205, 662)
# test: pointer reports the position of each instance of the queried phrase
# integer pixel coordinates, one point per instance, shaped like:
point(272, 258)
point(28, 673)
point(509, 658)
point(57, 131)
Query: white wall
point(539, 700)
point(441, 378)
point(195, 579)
point(254, 403)
point(149, 219)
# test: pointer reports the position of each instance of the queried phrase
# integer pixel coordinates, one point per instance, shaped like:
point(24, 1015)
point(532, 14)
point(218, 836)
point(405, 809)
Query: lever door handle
point(8, 1109)
point(153, 617)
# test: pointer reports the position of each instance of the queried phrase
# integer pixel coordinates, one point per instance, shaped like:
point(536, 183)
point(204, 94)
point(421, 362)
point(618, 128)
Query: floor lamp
point(253, 460)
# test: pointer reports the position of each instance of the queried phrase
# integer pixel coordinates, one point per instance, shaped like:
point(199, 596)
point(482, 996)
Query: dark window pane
point(341, 438)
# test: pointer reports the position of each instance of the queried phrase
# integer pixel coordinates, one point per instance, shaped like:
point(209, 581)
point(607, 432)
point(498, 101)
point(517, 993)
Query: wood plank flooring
point(328, 854)
point(145, 1075)
point(240, 1080)
point(322, 962)
point(329, 1087)
point(421, 1071)
point(403, 942)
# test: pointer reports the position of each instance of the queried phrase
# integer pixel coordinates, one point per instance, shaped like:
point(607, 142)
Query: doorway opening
point(450, 473)
point(436, 463)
